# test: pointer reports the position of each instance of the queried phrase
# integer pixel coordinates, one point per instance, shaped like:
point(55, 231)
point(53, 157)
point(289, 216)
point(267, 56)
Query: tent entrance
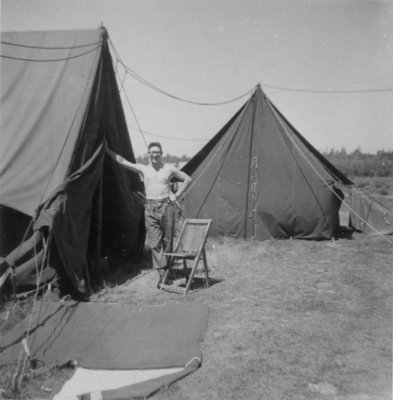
point(254, 191)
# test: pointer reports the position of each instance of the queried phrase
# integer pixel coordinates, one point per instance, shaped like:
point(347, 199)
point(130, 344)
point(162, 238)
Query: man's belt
point(153, 201)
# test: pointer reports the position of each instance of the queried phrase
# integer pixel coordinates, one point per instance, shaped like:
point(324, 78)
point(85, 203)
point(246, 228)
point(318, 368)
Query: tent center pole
point(98, 238)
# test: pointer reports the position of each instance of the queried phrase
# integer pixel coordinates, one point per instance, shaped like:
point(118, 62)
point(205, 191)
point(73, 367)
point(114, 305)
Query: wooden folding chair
point(190, 246)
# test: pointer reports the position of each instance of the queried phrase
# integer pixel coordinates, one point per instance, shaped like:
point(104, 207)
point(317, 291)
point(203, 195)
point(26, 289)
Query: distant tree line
point(355, 164)
point(362, 164)
point(168, 158)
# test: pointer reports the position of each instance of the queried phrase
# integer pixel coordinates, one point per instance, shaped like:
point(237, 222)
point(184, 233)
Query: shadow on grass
point(344, 232)
point(198, 282)
point(118, 271)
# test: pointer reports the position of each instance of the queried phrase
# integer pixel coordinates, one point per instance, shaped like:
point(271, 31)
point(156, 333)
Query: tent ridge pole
point(250, 165)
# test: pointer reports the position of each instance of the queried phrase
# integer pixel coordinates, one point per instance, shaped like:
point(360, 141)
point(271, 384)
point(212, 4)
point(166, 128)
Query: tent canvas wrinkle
point(43, 106)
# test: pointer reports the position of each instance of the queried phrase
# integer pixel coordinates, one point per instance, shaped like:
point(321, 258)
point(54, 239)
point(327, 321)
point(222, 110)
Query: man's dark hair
point(154, 144)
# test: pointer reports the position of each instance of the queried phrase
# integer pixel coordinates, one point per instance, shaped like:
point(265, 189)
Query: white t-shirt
point(157, 182)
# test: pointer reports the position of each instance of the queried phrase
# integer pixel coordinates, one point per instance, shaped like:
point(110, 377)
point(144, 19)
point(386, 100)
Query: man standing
point(159, 202)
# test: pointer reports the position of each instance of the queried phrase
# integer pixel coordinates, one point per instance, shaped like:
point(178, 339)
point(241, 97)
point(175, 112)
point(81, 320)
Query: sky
point(326, 65)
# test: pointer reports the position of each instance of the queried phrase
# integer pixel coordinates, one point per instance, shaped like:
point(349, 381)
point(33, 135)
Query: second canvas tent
point(259, 178)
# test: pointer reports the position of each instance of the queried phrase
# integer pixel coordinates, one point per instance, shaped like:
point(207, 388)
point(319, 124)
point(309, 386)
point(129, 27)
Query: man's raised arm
point(125, 163)
point(184, 178)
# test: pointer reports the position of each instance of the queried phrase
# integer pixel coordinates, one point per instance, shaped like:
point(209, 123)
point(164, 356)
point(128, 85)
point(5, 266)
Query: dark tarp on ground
point(113, 336)
point(110, 336)
point(60, 102)
point(258, 177)
point(368, 215)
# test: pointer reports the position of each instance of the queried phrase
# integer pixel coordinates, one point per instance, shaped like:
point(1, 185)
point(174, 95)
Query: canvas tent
point(368, 215)
point(259, 178)
point(60, 109)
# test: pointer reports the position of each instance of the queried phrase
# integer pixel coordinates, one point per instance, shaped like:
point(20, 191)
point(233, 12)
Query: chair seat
point(189, 255)
point(172, 288)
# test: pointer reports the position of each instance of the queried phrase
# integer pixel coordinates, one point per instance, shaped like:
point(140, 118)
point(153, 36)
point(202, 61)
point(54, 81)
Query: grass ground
point(288, 320)
point(296, 320)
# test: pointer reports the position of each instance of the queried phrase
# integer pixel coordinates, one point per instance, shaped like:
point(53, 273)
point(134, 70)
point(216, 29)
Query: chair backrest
point(193, 235)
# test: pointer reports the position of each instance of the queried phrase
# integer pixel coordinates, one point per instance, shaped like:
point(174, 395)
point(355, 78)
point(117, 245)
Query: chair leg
point(191, 277)
point(167, 272)
point(185, 269)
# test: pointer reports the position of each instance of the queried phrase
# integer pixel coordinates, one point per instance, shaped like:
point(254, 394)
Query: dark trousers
point(160, 223)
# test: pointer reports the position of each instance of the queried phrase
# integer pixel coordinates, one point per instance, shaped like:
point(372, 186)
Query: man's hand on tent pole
point(115, 156)
point(122, 161)
point(111, 153)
